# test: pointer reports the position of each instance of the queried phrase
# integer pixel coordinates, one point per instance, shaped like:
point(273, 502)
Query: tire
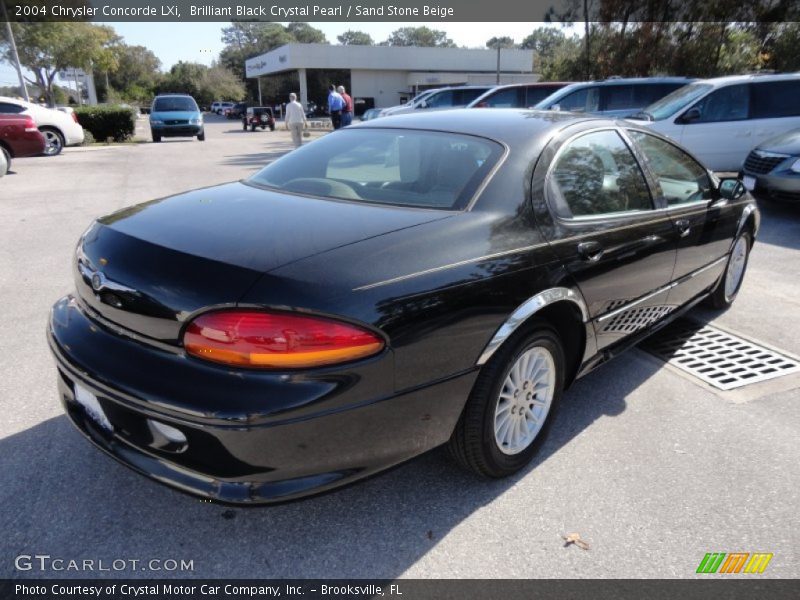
point(731, 281)
point(252, 128)
point(7, 156)
point(54, 139)
point(480, 446)
point(156, 137)
point(201, 137)
point(244, 126)
point(272, 127)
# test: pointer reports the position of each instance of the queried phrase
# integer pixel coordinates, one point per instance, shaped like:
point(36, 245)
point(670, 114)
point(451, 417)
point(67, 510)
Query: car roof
point(750, 77)
point(514, 127)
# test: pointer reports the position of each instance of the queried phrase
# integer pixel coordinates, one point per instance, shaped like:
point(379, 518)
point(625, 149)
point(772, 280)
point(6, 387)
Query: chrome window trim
point(583, 219)
point(526, 310)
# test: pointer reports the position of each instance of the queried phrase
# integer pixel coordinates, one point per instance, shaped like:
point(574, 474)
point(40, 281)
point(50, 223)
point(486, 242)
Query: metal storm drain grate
point(723, 360)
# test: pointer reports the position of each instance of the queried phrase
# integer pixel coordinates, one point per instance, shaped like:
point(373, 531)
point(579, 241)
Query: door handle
point(590, 251)
point(684, 227)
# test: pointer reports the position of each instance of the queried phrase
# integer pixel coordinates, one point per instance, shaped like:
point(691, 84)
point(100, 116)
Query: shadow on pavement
point(780, 224)
point(64, 498)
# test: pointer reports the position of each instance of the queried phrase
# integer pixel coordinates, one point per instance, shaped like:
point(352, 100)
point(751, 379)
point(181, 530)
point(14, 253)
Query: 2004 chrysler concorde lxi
point(409, 282)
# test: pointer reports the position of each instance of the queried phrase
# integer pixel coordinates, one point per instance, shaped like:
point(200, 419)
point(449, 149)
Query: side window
point(680, 177)
point(464, 97)
point(440, 99)
point(508, 98)
point(776, 99)
point(575, 101)
point(535, 94)
point(730, 103)
point(618, 97)
point(10, 109)
point(595, 175)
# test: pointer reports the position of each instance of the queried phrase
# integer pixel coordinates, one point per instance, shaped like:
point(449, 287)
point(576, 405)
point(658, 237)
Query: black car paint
point(435, 284)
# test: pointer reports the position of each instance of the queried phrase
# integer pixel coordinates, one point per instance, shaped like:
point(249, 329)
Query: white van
point(720, 120)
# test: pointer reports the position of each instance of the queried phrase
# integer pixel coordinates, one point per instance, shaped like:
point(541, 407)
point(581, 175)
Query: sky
point(200, 42)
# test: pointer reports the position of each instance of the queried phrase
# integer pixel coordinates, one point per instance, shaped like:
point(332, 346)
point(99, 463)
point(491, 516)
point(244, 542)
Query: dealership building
point(392, 74)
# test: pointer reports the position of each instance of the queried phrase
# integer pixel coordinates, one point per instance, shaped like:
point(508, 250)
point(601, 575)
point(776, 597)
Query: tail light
point(268, 340)
point(74, 116)
point(30, 125)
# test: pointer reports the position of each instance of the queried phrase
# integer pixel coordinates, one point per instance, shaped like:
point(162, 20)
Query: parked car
point(59, 129)
point(399, 284)
point(612, 97)
point(516, 95)
point(722, 119)
point(176, 115)
point(221, 107)
point(446, 98)
point(772, 169)
point(236, 111)
point(258, 116)
point(19, 137)
point(411, 104)
point(215, 107)
point(371, 113)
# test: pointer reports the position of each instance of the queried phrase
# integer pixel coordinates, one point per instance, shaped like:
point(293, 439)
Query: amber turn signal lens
point(268, 340)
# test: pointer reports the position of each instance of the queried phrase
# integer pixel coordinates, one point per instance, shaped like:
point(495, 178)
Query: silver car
point(772, 169)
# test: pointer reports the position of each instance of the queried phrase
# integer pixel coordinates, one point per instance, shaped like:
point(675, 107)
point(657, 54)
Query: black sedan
point(405, 283)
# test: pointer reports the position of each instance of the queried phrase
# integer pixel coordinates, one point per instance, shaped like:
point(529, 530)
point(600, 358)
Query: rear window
point(175, 104)
point(386, 166)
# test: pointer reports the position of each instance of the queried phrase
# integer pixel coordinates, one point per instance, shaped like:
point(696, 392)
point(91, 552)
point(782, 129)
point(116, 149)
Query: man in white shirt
point(295, 119)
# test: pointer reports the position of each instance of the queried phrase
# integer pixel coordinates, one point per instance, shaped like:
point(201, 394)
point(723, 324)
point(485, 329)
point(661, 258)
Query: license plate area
point(91, 406)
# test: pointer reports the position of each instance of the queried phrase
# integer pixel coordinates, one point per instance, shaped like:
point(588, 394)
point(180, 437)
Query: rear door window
point(535, 94)
point(595, 175)
point(583, 100)
point(618, 97)
point(775, 99)
point(442, 99)
point(508, 98)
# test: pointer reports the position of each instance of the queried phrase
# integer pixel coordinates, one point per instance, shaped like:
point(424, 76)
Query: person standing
point(347, 111)
point(295, 120)
point(335, 107)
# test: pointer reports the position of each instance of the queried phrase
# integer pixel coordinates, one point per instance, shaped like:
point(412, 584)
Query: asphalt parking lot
point(652, 469)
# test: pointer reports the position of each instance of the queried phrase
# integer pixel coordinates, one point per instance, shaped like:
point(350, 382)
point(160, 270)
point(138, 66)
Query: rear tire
point(156, 137)
point(510, 409)
point(54, 139)
point(272, 127)
point(731, 281)
point(201, 137)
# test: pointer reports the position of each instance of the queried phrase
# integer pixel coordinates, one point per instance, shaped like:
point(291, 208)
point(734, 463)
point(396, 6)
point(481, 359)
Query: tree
point(303, 33)
point(205, 84)
point(500, 43)
point(419, 36)
point(137, 73)
point(355, 38)
point(47, 47)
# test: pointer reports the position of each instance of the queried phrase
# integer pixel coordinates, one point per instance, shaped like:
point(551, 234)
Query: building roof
point(387, 58)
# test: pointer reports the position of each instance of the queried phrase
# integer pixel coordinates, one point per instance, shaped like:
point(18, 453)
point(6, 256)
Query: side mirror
point(731, 189)
point(690, 115)
point(556, 107)
point(422, 104)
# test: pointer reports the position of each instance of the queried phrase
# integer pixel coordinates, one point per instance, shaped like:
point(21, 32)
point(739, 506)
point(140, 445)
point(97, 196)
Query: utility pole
point(498, 65)
point(14, 53)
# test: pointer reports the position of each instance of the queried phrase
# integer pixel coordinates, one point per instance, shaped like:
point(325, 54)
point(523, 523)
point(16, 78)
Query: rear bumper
point(270, 438)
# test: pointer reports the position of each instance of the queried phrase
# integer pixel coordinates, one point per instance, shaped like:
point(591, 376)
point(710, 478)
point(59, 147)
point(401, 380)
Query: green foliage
point(46, 47)
point(501, 43)
point(304, 33)
point(419, 36)
point(205, 84)
point(355, 38)
point(103, 122)
point(137, 73)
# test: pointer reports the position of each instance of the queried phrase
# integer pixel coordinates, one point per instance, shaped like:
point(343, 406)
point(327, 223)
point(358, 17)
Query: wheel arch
point(563, 309)
point(7, 148)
